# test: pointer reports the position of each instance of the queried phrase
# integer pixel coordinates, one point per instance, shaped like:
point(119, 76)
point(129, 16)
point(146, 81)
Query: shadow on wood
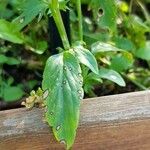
point(119, 122)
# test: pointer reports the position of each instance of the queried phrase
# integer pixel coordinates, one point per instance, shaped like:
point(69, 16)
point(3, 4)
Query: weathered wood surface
point(119, 122)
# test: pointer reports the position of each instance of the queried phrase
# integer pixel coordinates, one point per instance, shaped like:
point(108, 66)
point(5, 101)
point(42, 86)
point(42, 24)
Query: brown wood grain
point(119, 122)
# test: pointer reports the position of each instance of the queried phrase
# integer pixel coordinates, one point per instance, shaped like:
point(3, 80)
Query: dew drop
point(80, 82)
point(22, 19)
point(51, 113)
point(58, 127)
point(64, 82)
point(65, 68)
point(70, 69)
point(62, 141)
point(79, 74)
point(113, 77)
point(79, 91)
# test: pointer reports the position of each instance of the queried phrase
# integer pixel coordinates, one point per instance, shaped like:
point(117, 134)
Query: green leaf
point(124, 43)
point(90, 80)
point(91, 38)
point(3, 59)
point(30, 9)
point(100, 47)
point(144, 52)
point(31, 84)
point(112, 76)
point(105, 11)
point(8, 60)
point(122, 62)
point(37, 46)
point(86, 58)
point(10, 81)
point(10, 32)
point(12, 61)
point(12, 93)
point(63, 80)
point(63, 4)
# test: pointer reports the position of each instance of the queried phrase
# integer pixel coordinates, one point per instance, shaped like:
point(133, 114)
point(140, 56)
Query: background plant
point(110, 30)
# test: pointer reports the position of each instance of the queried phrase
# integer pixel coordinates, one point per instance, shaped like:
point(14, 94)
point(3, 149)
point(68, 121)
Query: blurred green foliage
point(123, 27)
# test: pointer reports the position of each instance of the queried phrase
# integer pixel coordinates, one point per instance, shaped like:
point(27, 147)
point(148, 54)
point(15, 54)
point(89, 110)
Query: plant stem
point(140, 86)
point(80, 19)
point(145, 11)
point(130, 6)
point(54, 7)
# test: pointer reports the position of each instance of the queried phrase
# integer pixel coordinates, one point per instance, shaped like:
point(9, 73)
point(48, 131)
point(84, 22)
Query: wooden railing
point(119, 122)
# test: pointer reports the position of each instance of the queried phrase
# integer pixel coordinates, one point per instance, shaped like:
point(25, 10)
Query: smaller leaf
point(63, 4)
point(3, 59)
point(112, 76)
point(144, 52)
point(12, 93)
point(10, 32)
point(90, 80)
point(105, 13)
point(8, 60)
point(124, 43)
point(86, 58)
point(12, 61)
point(100, 47)
point(10, 80)
point(122, 62)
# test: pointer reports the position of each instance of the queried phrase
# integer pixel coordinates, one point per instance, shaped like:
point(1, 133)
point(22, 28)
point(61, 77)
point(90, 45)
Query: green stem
point(145, 11)
point(54, 7)
point(130, 6)
point(80, 21)
point(140, 86)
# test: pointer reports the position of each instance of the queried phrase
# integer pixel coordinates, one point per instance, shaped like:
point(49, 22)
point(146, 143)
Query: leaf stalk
point(80, 19)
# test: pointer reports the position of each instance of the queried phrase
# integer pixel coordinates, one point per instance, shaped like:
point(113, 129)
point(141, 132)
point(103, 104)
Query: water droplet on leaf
point(80, 82)
point(51, 113)
point(58, 127)
point(70, 68)
point(79, 91)
point(64, 82)
point(65, 68)
point(113, 77)
point(79, 74)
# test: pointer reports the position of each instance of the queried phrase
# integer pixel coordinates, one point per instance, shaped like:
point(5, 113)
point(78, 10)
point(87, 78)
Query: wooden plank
point(119, 122)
